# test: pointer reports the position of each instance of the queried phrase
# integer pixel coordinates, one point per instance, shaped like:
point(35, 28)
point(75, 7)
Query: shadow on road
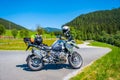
point(24, 67)
point(46, 67)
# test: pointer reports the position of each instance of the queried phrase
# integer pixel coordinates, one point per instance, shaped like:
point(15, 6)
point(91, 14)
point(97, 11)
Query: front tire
point(75, 60)
point(35, 63)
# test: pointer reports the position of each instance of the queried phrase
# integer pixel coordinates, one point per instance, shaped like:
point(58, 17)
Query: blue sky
point(50, 13)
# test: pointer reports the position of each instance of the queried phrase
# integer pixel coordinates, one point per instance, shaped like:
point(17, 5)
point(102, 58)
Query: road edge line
point(77, 71)
point(70, 75)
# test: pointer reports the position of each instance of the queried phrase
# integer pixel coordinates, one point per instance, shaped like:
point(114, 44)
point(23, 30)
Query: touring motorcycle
point(60, 52)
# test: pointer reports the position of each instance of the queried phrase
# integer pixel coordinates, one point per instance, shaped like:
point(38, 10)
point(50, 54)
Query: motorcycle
point(60, 52)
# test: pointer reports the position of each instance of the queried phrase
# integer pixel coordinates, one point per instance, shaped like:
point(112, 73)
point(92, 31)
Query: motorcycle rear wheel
point(35, 63)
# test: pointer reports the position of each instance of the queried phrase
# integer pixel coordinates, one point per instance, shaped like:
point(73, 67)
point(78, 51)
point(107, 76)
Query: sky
point(50, 13)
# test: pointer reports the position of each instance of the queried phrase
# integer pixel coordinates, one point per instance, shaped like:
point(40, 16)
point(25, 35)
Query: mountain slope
point(93, 24)
point(103, 26)
point(10, 25)
point(49, 29)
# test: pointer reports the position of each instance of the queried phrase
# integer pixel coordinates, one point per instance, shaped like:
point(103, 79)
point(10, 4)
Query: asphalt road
point(13, 65)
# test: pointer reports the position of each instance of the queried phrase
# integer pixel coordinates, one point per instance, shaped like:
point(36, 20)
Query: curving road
point(13, 65)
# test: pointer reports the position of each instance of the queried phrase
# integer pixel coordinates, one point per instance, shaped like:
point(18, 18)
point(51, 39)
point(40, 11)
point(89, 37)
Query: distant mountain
point(49, 29)
point(10, 25)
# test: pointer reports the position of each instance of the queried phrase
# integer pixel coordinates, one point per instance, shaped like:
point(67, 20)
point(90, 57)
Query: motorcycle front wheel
point(75, 60)
point(35, 63)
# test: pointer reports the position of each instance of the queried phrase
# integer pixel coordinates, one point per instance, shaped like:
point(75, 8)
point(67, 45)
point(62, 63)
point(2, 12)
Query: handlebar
point(72, 42)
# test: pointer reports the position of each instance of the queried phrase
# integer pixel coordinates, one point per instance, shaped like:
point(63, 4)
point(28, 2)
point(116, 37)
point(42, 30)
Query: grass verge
point(105, 68)
point(18, 44)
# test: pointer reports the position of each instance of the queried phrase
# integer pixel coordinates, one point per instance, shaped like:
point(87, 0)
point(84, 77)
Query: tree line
point(102, 26)
point(14, 32)
point(26, 33)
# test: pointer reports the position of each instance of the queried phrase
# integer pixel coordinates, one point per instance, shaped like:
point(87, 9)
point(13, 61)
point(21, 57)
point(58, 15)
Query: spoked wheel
point(75, 60)
point(35, 63)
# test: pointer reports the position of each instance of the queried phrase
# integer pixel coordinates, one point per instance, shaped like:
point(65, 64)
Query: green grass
point(18, 44)
point(12, 44)
point(79, 41)
point(105, 68)
point(100, 44)
point(49, 42)
point(8, 33)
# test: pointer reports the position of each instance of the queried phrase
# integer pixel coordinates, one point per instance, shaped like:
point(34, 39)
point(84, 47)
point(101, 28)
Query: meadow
point(10, 43)
point(105, 68)
point(18, 44)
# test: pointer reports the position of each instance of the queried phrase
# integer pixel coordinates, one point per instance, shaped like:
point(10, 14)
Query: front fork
point(29, 57)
